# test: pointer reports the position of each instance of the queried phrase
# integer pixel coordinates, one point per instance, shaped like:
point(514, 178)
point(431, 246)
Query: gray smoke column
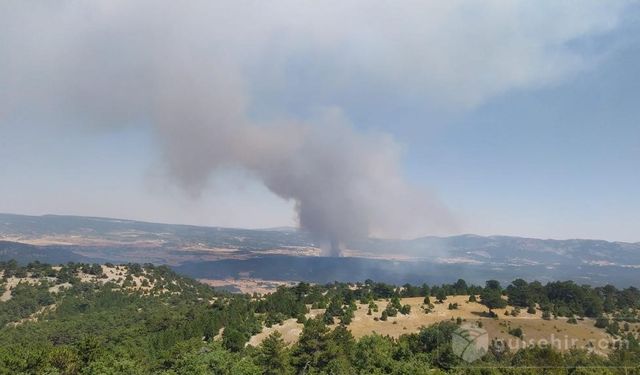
point(183, 73)
point(346, 184)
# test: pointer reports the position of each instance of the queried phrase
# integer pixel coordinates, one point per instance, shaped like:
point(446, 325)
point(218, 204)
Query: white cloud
point(453, 52)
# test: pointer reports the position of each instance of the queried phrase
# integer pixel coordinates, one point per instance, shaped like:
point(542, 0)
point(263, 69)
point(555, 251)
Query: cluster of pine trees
point(185, 327)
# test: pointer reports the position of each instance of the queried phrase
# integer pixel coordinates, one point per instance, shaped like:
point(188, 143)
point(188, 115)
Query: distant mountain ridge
point(479, 249)
point(179, 245)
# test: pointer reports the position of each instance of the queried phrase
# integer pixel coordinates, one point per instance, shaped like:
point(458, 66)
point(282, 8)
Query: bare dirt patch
point(290, 329)
point(248, 285)
point(35, 316)
point(12, 282)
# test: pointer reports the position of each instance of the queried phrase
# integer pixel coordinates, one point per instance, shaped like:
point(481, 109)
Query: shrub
point(327, 319)
point(517, 332)
point(613, 328)
point(405, 310)
point(602, 322)
point(391, 310)
point(395, 303)
point(273, 318)
point(301, 319)
point(346, 317)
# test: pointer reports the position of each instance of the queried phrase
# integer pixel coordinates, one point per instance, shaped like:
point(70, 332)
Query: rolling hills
point(287, 254)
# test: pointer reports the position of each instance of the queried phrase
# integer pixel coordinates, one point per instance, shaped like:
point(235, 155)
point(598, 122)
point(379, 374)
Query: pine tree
point(273, 355)
point(312, 345)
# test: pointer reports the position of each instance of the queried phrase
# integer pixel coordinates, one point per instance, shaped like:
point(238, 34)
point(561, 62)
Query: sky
point(507, 118)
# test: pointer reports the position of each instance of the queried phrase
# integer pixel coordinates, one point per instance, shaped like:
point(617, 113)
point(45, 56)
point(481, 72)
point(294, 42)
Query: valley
point(286, 254)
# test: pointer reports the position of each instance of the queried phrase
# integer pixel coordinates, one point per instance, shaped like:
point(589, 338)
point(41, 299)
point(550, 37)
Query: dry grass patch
point(534, 327)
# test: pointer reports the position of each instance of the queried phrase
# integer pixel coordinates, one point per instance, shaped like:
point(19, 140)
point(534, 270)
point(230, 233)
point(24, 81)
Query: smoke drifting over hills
point(346, 184)
point(110, 65)
point(189, 70)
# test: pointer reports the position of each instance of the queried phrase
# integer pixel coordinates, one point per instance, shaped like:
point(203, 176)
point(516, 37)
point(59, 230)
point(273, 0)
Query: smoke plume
point(193, 71)
point(345, 184)
point(117, 64)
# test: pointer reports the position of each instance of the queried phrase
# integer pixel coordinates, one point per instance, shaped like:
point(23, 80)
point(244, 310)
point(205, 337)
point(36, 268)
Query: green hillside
point(143, 319)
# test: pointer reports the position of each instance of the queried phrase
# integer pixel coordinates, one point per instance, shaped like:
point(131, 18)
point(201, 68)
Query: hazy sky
point(517, 118)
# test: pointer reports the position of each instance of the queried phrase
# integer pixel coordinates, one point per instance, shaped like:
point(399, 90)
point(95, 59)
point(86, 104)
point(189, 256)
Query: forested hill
point(25, 253)
point(267, 252)
point(143, 319)
point(352, 269)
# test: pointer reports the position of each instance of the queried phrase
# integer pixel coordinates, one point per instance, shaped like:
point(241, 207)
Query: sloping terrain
point(288, 254)
point(582, 335)
point(25, 253)
point(142, 319)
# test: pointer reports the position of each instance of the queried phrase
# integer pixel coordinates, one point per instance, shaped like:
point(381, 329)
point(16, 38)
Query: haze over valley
point(287, 254)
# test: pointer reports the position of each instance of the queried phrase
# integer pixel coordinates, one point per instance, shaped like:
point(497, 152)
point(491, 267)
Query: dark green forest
point(74, 319)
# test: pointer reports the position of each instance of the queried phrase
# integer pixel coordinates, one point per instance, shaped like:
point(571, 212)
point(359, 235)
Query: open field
point(556, 332)
point(248, 285)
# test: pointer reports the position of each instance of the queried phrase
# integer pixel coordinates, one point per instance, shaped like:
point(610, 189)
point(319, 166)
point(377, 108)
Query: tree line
point(184, 327)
